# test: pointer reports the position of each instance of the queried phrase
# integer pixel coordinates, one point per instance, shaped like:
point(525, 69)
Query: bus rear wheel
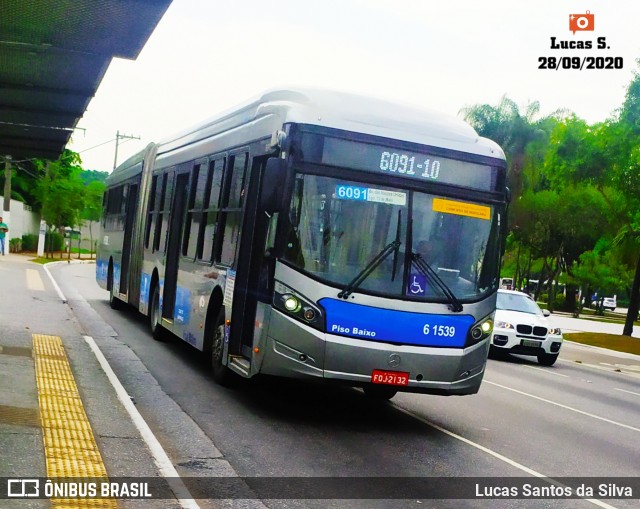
point(381, 392)
point(221, 373)
point(154, 315)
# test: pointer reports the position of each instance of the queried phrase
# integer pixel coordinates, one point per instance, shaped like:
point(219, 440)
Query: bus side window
point(211, 202)
point(158, 214)
point(151, 208)
point(199, 178)
point(231, 210)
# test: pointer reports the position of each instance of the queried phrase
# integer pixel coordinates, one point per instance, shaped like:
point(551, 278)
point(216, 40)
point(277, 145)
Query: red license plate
point(389, 377)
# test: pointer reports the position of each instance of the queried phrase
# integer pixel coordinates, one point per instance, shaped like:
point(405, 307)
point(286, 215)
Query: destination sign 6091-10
point(408, 164)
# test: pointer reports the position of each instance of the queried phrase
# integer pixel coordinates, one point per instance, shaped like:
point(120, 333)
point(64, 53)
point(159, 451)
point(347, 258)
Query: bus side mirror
point(272, 191)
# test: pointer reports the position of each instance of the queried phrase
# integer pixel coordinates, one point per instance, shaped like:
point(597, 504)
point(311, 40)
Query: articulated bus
point(317, 235)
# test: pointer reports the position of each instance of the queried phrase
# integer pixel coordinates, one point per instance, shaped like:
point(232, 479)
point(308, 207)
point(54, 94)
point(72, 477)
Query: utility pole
point(118, 138)
point(7, 184)
point(6, 213)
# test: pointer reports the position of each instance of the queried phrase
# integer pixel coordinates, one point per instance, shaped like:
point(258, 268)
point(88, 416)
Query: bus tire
point(380, 392)
point(221, 373)
point(157, 331)
point(114, 302)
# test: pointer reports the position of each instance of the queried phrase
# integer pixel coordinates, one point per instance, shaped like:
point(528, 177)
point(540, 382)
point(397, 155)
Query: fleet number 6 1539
point(439, 330)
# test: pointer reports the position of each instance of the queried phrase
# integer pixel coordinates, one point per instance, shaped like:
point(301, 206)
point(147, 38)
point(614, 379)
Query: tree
point(94, 191)
point(512, 130)
point(60, 191)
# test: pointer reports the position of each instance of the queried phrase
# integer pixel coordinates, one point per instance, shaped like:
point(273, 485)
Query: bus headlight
point(290, 303)
point(480, 330)
point(296, 306)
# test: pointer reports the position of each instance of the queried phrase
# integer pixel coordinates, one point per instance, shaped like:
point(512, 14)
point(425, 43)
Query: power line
point(96, 146)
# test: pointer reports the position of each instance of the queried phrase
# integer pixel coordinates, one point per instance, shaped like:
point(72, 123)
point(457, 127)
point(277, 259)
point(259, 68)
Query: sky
point(205, 56)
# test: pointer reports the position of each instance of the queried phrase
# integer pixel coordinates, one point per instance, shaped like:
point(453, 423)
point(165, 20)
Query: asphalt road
point(579, 418)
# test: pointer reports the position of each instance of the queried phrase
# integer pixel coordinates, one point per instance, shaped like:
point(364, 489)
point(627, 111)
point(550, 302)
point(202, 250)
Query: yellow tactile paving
point(69, 445)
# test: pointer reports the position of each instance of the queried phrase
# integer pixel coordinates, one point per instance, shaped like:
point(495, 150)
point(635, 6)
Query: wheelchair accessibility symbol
point(418, 284)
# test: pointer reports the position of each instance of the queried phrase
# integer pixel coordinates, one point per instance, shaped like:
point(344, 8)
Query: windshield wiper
point(371, 266)
point(426, 270)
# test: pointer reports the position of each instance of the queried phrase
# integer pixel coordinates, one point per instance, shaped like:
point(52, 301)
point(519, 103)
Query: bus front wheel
point(221, 373)
point(154, 315)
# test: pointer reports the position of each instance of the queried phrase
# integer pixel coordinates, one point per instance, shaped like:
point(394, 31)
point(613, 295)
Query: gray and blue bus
point(316, 234)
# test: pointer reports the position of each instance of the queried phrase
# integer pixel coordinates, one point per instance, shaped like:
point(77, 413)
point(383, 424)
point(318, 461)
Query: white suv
point(521, 327)
point(609, 303)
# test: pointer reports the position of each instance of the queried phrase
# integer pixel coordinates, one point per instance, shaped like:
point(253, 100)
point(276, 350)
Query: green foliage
point(53, 241)
point(601, 273)
point(90, 176)
point(30, 242)
point(61, 191)
point(15, 245)
point(93, 201)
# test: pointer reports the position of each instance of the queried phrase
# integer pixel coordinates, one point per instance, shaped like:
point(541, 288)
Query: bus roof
point(340, 110)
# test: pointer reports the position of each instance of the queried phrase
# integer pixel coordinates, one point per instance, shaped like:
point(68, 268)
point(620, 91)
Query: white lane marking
point(631, 367)
point(34, 281)
point(628, 392)
point(564, 406)
point(164, 464)
point(497, 455)
point(55, 285)
point(601, 368)
point(545, 371)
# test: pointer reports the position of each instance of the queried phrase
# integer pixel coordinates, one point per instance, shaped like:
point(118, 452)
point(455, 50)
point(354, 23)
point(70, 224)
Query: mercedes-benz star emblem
point(394, 360)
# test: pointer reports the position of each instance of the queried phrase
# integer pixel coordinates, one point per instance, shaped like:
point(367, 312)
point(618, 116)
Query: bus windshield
point(336, 227)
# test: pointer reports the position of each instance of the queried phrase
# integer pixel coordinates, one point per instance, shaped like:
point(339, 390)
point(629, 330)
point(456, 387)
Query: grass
point(611, 341)
point(42, 261)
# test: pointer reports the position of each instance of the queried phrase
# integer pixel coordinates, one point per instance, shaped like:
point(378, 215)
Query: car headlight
point(555, 332)
point(503, 325)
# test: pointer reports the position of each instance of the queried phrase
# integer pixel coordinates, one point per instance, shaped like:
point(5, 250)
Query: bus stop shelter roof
point(53, 56)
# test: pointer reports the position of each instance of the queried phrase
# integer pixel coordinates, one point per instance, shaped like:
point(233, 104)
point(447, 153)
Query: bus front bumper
point(307, 353)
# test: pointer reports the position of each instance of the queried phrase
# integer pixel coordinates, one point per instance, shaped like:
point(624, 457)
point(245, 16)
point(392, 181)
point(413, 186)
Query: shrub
point(29, 242)
point(53, 241)
point(15, 245)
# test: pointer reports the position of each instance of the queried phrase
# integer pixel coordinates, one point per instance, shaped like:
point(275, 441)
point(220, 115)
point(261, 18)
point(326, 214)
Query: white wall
point(21, 220)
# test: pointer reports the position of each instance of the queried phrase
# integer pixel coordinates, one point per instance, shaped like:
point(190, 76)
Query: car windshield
point(337, 227)
point(517, 302)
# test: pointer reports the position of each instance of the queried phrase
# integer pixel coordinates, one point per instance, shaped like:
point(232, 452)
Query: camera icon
point(581, 22)
point(23, 488)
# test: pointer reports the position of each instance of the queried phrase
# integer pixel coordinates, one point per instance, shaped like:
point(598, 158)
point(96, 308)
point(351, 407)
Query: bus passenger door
point(132, 199)
point(176, 223)
point(250, 262)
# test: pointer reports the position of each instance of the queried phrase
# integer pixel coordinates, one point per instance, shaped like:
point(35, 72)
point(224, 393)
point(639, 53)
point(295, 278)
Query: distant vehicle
point(521, 327)
point(610, 303)
point(506, 283)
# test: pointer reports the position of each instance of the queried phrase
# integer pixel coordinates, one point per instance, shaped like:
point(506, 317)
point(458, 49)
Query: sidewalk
point(59, 415)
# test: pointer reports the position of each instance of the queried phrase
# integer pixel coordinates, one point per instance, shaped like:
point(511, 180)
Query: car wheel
point(547, 359)
point(381, 392)
point(496, 353)
point(157, 331)
point(221, 373)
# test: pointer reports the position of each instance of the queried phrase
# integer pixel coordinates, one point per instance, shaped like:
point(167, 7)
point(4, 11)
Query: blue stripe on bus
point(376, 324)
